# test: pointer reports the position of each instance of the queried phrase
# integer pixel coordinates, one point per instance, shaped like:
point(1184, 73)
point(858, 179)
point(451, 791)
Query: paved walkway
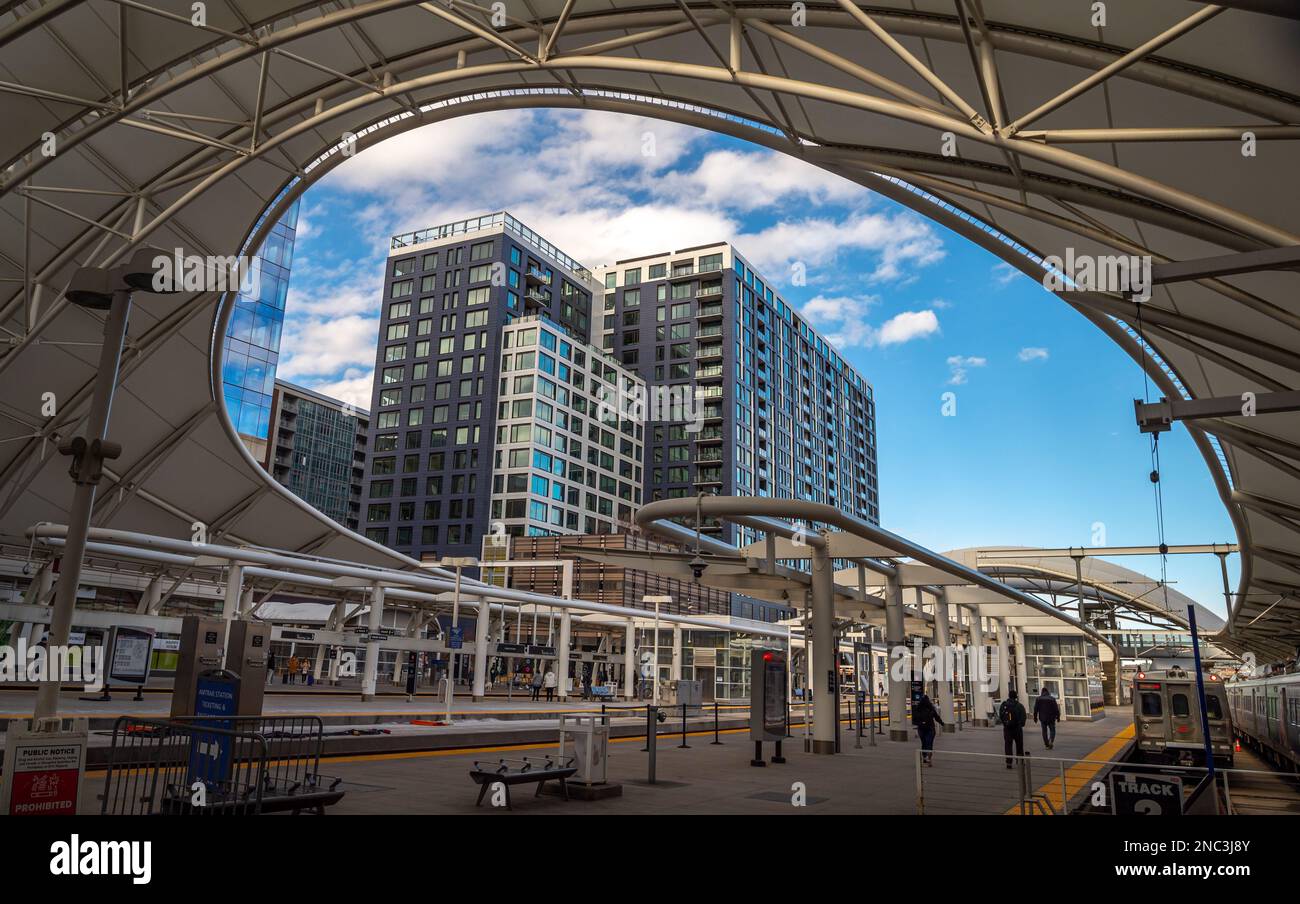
point(717, 779)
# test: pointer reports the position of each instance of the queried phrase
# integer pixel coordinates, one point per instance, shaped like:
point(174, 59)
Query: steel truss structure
point(1031, 129)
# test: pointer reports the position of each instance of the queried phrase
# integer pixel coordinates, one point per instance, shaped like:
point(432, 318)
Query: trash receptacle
point(590, 746)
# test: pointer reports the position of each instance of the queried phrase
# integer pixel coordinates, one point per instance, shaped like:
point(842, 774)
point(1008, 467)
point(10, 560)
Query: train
point(1167, 720)
point(1266, 716)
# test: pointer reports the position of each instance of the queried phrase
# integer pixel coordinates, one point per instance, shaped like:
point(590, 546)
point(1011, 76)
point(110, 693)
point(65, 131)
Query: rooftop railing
point(491, 221)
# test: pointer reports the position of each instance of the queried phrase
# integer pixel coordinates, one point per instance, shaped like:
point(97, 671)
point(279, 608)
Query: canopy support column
point(979, 689)
point(823, 644)
point(895, 640)
point(941, 636)
point(376, 621)
point(481, 630)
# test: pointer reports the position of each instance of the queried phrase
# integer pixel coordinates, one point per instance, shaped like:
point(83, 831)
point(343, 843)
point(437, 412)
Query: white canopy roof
point(127, 124)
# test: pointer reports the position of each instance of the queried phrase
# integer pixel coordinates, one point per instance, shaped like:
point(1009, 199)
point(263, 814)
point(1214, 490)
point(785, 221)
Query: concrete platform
point(704, 779)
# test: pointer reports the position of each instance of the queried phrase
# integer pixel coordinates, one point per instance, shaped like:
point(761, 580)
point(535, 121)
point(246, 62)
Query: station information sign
point(1143, 794)
point(131, 654)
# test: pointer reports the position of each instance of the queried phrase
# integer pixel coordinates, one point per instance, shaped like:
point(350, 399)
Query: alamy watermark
point(1122, 273)
point(674, 404)
point(181, 272)
point(943, 663)
point(38, 663)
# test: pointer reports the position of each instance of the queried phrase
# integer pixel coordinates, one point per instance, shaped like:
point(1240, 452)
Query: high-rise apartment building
point(780, 413)
point(493, 412)
point(565, 460)
point(253, 339)
point(317, 448)
point(482, 407)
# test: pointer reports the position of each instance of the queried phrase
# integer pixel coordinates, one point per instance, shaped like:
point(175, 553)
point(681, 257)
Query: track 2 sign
point(1141, 794)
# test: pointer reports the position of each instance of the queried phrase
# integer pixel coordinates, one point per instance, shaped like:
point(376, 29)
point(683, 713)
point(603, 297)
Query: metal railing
point(203, 766)
point(968, 783)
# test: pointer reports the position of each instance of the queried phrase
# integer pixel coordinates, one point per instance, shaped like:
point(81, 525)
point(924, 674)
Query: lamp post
point(655, 673)
point(101, 289)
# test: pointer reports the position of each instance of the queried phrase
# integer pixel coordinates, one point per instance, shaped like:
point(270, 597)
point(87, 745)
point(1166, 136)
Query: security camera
point(697, 567)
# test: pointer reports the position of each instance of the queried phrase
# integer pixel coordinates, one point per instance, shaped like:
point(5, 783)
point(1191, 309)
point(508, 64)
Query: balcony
point(538, 299)
point(709, 373)
point(709, 353)
point(709, 312)
point(709, 291)
point(709, 477)
point(709, 435)
point(709, 332)
point(536, 276)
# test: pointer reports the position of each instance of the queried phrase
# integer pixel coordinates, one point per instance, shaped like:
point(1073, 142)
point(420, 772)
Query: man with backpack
point(1047, 713)
point(1012, 716)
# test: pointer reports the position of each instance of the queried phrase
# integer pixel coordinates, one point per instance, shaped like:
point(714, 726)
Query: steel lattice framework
point(127, 123)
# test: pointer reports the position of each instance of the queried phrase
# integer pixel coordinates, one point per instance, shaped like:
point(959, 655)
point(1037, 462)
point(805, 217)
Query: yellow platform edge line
point(1082, 773)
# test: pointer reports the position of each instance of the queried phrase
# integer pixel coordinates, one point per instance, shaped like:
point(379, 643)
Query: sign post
point(43, 770)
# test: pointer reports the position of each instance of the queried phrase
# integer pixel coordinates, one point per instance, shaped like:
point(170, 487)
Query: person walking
point(550, 682)
point(270, 668)
point(924, 717)
point(292, 674)
point(1047, 712)
point(537, 684)
point(1012, 716)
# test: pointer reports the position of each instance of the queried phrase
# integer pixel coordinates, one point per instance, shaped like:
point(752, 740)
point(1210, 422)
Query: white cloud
point(318, 349)
point(751, 180)
point(843, 320)
point(958, 366)
point(1004, 273)
point(902, 241)
point(907, 326)
point(1032, 353)
point(354, 387)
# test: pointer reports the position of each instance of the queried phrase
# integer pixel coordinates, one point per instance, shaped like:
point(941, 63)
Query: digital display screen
point(132, 651)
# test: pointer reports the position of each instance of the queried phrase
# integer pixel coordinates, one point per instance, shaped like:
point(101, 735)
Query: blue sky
point(1043, 446)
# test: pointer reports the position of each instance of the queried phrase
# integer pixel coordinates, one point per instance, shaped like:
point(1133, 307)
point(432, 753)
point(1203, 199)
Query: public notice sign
point(43, 771)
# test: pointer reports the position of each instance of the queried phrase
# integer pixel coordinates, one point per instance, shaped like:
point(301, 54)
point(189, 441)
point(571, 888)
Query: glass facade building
point(777, 412)
point(449, 293)
point(317, 448)
point(253, 338)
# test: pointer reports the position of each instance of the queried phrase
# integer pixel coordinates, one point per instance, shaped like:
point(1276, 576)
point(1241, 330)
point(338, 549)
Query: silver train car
point(1266, 717)
point(1167, 718)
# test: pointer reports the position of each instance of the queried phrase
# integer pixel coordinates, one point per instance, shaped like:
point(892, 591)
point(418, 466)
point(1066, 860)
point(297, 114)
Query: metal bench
point(522, 772)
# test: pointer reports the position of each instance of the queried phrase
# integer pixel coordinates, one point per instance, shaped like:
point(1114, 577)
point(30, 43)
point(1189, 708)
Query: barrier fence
point(203, 766)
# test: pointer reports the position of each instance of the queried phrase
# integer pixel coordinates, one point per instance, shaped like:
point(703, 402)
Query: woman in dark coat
point(924, 718)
